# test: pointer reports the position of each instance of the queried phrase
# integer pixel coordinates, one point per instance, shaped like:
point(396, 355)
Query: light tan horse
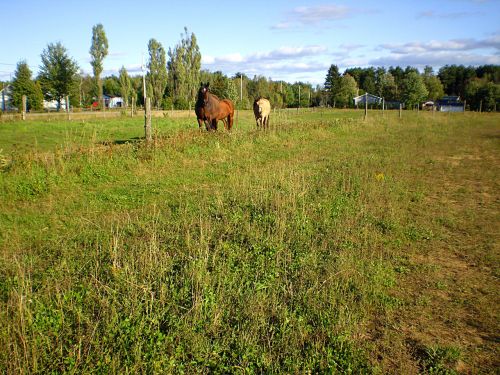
point(262, 110)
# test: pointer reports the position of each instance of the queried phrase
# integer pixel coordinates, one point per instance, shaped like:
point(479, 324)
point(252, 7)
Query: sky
point(289, 40)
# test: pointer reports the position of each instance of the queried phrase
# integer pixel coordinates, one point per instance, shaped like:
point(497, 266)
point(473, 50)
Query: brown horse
point(210, 109)
point(199, 109)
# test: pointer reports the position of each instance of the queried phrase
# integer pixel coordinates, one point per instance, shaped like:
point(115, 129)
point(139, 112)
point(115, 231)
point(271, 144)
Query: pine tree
point(22, 84)
point(332, 82)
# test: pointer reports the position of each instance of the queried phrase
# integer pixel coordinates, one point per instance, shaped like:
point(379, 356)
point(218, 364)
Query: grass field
point(327, 244)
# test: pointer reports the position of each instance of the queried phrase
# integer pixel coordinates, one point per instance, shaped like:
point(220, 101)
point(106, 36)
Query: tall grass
point(251, 252)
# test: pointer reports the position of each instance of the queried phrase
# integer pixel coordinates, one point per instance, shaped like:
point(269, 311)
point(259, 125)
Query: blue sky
point(287, 40)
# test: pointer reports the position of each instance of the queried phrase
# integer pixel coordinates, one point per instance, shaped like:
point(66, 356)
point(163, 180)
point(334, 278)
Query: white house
point(52, 105)
point(115, 102)
point(370, 98)
point(6, 99)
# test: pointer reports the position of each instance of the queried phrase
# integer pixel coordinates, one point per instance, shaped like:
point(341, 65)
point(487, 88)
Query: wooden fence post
point(366, 106)
point(400, 110)
point(147, 120)
point(23, 110)
point(68, 107)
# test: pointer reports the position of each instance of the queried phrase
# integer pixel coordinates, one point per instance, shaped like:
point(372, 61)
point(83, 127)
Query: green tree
point(37, 98)
point(98, 51)
point(184, 69)
point(482, 94)
point(414, 89)
point(157, 71)
point(22, 84)
point(348, 89)
point(433, 84)
point(111, 86)
point(389, 87)
point(455, 78)
point(332, 82)
point(125, 85)
point(57, 72)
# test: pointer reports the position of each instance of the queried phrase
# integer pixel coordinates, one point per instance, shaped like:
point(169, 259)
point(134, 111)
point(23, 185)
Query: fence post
point(23, 110)
point(68, 107)
point(400, 110)
point(132, 107)
point(147, 120)
point(366, 106)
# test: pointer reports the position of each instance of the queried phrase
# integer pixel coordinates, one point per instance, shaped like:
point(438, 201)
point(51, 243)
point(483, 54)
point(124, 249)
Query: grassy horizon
point(328, 244)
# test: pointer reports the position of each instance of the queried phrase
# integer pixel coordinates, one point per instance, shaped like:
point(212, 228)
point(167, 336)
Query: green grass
point(280, 251)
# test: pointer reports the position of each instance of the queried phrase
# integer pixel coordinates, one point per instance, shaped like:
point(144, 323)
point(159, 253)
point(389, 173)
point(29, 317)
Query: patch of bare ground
point(450, 290)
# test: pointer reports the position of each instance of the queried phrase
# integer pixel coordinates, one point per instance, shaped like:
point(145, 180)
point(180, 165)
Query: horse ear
point(208, 84)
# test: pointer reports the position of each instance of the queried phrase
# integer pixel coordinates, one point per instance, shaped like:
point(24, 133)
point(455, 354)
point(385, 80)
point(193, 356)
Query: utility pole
point(299, 99)
point(143, 80)
point(147, 107)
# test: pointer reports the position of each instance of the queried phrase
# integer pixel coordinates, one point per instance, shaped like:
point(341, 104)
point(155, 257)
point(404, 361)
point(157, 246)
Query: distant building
point(110, 102)
point(370, 98)
point(6, 99)
point(53, 105)
point(115, 102)
point(450, 104)
point(429, 105)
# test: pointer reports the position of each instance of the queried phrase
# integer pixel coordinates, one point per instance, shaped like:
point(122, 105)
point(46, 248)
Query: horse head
point(203, 92)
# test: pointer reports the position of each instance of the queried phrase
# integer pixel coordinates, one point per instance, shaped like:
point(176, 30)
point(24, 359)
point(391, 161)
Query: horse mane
point(215, 96)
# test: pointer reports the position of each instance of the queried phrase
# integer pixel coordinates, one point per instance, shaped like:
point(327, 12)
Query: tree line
point(478, 86)
point(173, 77)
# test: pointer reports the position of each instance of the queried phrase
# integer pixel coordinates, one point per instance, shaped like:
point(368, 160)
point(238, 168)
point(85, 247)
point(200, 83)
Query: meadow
point(328, 244)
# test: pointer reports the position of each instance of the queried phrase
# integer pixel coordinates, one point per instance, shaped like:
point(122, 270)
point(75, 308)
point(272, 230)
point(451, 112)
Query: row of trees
point(479, 86)
point(173, 78)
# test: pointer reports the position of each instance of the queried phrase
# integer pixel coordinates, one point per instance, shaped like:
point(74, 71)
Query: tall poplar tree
point(125, 85)
point(184, 69)
point(157, 75)
point(98, 51)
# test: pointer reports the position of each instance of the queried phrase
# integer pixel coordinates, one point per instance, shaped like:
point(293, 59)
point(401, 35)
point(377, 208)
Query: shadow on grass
point(122, 141)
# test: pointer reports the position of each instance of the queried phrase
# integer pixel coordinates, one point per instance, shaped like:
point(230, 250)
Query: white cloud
point(320, 13)
point(280, 62)
point(439, 46)
point(313, 15)
point(451, 15)
point(435, 59)
point(438, 53)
